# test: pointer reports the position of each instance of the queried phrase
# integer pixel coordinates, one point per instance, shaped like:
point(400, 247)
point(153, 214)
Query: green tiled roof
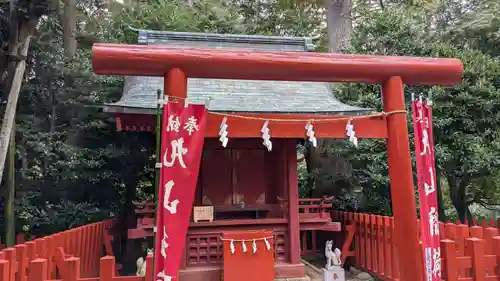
point(139, 93)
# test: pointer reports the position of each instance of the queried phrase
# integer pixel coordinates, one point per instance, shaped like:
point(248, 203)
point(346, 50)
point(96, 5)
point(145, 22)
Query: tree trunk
point(458, 189)
point(127, 213)
point(339, 34)
point(312, 163)
point(440, 202)
point(10, 111)
point(10, 226)
point(441, 211)
point(339, 37)
point(69, 28)
point(339, 24)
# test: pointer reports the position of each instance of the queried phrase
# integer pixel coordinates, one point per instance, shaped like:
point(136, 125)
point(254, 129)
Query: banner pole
point(157, 169)
point(427, 188)
point(158, 145)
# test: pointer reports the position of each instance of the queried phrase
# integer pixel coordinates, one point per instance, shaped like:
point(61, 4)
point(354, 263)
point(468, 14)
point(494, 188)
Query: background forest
point(71, 166)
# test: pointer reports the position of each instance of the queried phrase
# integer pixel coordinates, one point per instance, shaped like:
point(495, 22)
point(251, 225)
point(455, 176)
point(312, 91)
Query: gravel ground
point(315, 276)
point(314, 265)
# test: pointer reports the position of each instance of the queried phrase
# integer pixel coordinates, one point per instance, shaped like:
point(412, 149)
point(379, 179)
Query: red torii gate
point(176, 65)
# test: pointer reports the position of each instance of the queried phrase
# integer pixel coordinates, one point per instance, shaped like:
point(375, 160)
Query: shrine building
point(249, 187)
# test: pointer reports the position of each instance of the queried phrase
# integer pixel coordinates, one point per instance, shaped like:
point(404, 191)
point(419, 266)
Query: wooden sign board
point(203, 213)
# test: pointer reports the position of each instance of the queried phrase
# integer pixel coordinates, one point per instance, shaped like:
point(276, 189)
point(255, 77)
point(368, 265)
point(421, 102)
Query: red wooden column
point(175, 84)
point(400, 174)
point(293, 202)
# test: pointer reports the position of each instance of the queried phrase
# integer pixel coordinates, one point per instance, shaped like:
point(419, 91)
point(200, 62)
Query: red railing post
point(37, 270)
point(450, 268)
point(368, 241)
point(31, 250)
point(387, 247)
point(10, 255)
point(362, 239)
point(475, 249)
point(22, 262)
point(4, 270)
point(380, 245)
point(73, 268)
point(476, 231)
point(50, 256)
point(374, 242)
point(462, 234)
point(357, 241)
point(107, 268)
point(488, 235)
point(496, 249)
point(394, 253)
point(149, 273)
point(450, 231)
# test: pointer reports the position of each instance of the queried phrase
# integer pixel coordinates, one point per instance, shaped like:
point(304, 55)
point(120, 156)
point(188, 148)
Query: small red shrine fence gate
point(467, 253)
point(60, 252)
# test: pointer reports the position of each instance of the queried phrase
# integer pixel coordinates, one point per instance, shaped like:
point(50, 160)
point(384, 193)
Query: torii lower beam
point(391, 72)
point(373, 128)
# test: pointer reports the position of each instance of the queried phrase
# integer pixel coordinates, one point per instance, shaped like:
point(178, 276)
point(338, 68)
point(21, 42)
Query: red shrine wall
point(244, 171)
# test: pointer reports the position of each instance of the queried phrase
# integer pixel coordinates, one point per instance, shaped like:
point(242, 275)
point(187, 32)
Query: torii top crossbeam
point(147, 60)
point(178, 64)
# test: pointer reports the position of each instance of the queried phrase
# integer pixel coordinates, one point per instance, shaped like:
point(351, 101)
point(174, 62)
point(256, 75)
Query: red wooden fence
point(86, 244)
point(467, 253)
point(39, 270)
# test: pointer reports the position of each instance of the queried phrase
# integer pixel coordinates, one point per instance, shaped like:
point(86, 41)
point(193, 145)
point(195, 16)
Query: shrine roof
point(225, 95)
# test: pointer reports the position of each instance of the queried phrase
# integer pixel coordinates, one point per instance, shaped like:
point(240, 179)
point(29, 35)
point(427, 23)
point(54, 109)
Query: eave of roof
point(234, 96)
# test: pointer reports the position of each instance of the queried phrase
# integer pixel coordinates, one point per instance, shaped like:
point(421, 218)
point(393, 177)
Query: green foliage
point(203, 16)
point(50, 218)
point(283, 18)
point(75, 168)
point(465, 117)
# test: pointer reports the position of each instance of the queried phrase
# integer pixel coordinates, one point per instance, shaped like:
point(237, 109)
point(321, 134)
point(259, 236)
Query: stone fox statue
point(141, 264)
point(332, 257)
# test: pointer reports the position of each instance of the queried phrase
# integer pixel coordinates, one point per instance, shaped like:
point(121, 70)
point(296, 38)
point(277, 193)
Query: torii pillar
point(390, 72)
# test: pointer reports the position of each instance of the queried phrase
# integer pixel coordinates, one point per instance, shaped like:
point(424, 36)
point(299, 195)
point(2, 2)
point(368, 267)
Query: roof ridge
point(146, 35)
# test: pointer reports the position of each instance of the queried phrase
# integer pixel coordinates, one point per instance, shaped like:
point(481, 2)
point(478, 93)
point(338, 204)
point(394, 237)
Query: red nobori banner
point(182, 136)
point(426, 177)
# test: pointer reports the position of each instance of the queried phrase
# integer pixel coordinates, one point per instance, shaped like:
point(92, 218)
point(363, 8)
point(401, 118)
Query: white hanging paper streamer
point(254, 247)
point(231, 246)
point(243, 246)
point(186, 102)
point(310, 134)
point(351, 133)
point(223, 132)
point(266, 136)
point(268, 246)
point(161, 102)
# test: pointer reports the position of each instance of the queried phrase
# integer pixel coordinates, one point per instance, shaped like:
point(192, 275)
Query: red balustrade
point(469, 253)
point(85, 243)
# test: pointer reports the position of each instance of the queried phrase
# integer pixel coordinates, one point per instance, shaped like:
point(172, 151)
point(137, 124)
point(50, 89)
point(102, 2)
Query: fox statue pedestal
point(336, 273)
point(333, 269)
